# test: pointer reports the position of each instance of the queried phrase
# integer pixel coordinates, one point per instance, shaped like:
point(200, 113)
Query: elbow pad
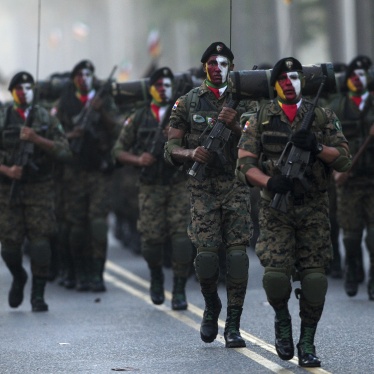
point(168, 149)
point(343, 162)
point(242, 166)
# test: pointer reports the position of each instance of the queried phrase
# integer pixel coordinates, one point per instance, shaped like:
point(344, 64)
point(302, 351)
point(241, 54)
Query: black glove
point(279, 184)
point(306, 140)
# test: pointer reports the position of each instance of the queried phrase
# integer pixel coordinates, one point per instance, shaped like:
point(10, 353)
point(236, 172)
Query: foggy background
point(134, 34)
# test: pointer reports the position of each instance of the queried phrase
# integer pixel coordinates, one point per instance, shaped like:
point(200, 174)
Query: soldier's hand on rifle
point(146, 159)
point(279, 184)
point(14, 172)
point(228, 116)
point(201, 155)
point(28, 134)
point(306, 140)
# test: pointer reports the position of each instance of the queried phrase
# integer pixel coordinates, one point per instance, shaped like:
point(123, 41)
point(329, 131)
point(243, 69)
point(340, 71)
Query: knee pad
point(78, 237)
point(40, 252)
point(11, 254)
point(277, 284)
point(153, 253)
point(314, 286)
point(99, 230)
point(237, 263)
point(207, 264)
point(182, 249)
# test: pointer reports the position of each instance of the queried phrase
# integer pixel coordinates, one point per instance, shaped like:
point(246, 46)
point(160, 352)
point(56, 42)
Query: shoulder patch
point(175, 105)
point(338, 125)
point(127, 121)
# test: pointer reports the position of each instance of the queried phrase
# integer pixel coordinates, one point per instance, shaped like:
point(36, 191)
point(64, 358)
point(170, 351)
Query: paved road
point(122, 331)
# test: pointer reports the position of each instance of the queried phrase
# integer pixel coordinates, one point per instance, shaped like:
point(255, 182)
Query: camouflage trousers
point(86, 199)
point(220, 213)
point(355, 201)
point(220, 218)
point(30, 216)
point(298, 239)
point(295, 241)
point(164, 214)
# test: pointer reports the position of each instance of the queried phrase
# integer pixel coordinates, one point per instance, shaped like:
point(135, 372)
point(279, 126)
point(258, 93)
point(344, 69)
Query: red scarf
point(156, 111)
point(357, 100)
point(290, 110)
point(21, 112)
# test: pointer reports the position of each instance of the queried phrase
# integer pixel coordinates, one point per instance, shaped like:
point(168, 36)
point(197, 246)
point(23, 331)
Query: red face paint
point(217, 68)
point(288, 86)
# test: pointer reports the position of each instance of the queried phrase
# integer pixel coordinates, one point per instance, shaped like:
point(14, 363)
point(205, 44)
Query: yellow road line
point(199, 312)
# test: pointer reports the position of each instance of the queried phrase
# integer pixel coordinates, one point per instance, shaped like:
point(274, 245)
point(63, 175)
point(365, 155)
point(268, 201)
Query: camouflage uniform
point(300, 239)
point(163, 201)
point(220, 205)
point(355, 198)
point(30, 215)
point(86, 182)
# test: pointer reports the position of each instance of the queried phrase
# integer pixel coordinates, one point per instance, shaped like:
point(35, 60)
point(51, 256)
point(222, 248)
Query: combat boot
point(231, 334)
point(350, 278)
point(97, 281)
point(306, 350)
point(15, 296)
point(37, 295)
point(178, 300)
point(157, 285)
point(283, 334)
point(209, 324)
point(81, 274)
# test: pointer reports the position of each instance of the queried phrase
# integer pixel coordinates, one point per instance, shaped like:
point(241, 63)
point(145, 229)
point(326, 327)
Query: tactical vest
point(202, 115)
point(41, 165)
point(275, 134)
point(160, 172)
point(356, 126)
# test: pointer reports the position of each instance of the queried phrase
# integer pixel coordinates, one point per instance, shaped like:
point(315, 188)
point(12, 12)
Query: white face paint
point(362, 75)
point(223, 65)
point(28, 92)
point(168, 88)
point(84, 80)
point(295, 80)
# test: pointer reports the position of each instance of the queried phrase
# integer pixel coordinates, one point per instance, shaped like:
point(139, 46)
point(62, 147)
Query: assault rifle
point(293, 160)
point(216, 140)
point(23, 155)
point(87, 116)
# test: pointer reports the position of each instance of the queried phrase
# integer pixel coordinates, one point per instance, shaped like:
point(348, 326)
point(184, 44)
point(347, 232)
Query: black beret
point(84, 64)
point(285, 65)
point(359, 62)
point(217, 48)
point(164, 72)
point(19, 78)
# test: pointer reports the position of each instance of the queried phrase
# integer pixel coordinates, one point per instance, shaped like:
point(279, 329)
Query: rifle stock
point(293, 160)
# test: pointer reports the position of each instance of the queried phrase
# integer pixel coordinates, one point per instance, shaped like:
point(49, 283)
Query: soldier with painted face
point(30, 213)
point(87, 180)
point(163, 198)
point(219, 205)
point(298, 240)
point(355, 189)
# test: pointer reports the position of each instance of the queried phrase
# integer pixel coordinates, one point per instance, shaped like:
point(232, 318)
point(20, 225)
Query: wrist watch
point(319, 148)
